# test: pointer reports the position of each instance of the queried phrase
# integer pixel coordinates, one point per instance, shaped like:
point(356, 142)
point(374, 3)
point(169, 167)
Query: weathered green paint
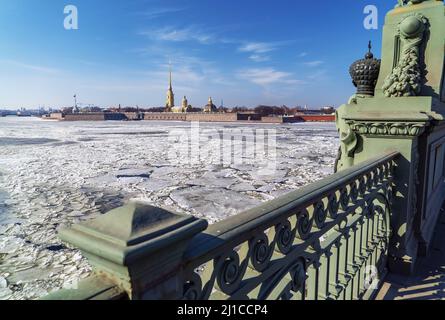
point(432, 46)
point(410, 124)
point(135, 245)
point(93, 288)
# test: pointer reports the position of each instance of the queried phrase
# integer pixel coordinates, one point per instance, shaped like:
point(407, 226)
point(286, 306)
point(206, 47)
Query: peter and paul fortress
point(185, 107)
point(170, 104)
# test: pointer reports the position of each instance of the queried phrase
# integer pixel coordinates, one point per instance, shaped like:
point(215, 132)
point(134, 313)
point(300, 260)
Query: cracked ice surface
point(54, 174)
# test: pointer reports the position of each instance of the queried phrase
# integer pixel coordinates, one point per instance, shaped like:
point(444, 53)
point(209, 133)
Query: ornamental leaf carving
point(411, 129)
point(406, 79)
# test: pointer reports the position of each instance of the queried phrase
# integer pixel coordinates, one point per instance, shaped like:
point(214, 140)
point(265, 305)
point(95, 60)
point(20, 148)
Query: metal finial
point(369, 55)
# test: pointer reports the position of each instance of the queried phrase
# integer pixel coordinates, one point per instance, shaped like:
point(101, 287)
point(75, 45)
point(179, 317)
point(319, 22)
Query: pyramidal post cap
point(132, 232)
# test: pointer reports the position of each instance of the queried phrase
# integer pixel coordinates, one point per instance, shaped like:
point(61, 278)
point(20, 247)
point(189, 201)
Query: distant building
point(170, 104)
point(185, 107)
point(328, 110)
point(210, 107)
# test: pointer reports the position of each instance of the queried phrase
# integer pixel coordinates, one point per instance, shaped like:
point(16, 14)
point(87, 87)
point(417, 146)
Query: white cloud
point(267, 76)
point(159, 12)
point(318, 75)
point(259, 58)
point(303, 54)
point(174, 34)
point(315, 63)
point(258, 47)
point(258, 50)
point(182, 75)
point(37, 68)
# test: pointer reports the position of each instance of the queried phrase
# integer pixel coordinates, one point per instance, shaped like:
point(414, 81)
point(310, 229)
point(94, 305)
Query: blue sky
point(246, 52)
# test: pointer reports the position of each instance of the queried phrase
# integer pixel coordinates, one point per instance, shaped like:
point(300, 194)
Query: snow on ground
point(54, 174)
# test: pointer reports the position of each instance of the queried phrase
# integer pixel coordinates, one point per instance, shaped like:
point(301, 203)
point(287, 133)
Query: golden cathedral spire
point(170, 95)
point(170, 68)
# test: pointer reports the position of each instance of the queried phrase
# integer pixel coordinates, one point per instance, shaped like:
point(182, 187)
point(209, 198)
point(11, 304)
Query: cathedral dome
point(210, 107)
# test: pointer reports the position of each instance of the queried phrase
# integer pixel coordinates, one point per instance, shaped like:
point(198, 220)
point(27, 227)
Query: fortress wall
point(164, 116)
point(199, 117)
point(318, 118)
point(212, 117)
point(249, 117)
point(133, 115)
point(85, 117)
point(99, 116)
point(272, 119)
point(54, 116)
point(202, 117)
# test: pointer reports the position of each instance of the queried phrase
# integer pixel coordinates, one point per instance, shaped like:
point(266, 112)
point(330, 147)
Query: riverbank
point(190, 117)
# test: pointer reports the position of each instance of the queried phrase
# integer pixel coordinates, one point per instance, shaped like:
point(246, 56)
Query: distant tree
point(67, 110)
point(272, 110)
point(192, 109)
point(240, 109)
point(155, 110)
point(223, 109)
point(95, 109)
point(293, 111)
point(130, 109)
point(285, 109)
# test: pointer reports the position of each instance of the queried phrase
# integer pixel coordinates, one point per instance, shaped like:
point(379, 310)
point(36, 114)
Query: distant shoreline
point(244, 118)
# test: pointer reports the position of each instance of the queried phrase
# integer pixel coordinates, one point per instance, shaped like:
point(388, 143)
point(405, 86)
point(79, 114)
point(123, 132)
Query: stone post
point(406, 114)
point(137, 247)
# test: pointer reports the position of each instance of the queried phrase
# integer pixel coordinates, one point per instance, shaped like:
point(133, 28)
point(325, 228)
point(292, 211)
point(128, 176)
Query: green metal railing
point(328, 240)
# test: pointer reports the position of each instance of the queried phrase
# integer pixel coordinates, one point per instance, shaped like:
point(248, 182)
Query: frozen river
point(53, 174)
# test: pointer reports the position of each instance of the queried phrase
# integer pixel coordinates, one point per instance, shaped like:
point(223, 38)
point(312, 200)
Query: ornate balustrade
point(315, 243)
point(328, 240)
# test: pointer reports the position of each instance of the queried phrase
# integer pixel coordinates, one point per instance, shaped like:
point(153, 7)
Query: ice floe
point(54, 174)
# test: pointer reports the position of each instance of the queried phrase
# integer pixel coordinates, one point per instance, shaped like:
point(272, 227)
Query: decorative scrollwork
point(350, 142)
point(354, 192)
point(387, 170)
point(369, 209)
point(229, 273)
point(284, 237)
point(369, 181)
point(382, 173)
point(389, 194)
point(375, 177)
point(304, 225)
point(320, 215)
point(260, 252)
point(333, 206)
point(344, 198)
point(193, 288)
point(362, 186)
